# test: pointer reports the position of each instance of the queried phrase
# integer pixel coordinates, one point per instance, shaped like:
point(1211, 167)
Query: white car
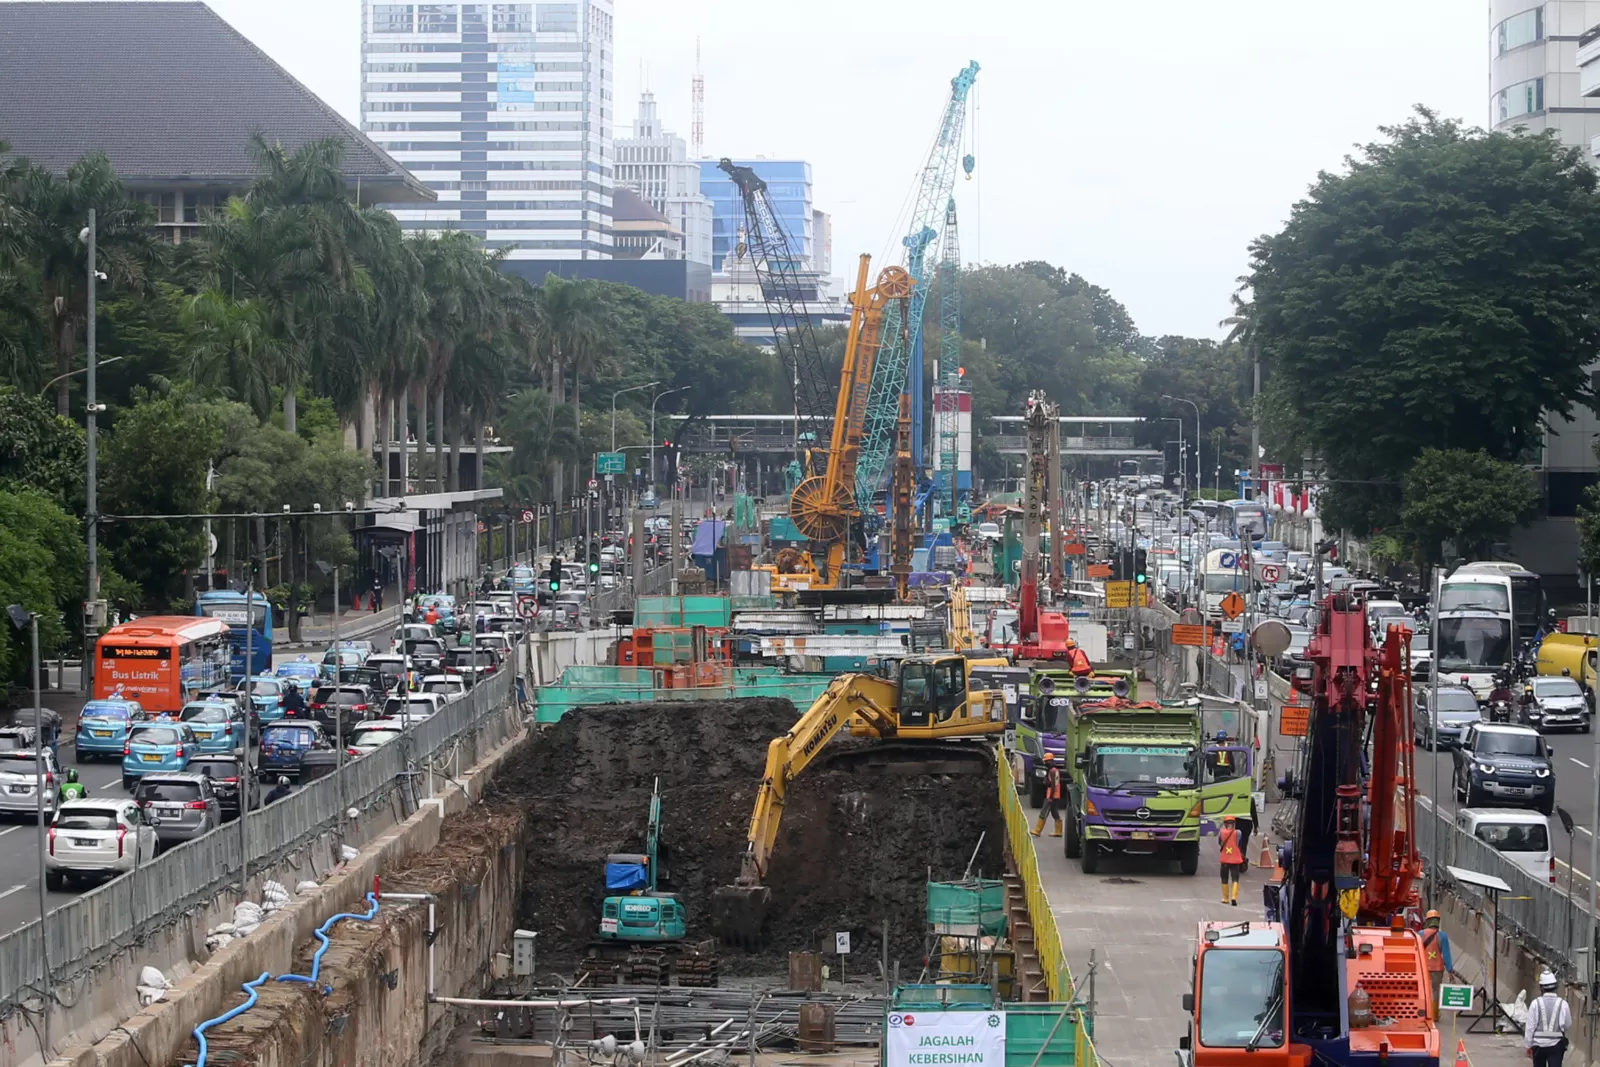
point(500, 642)
point(989, 530)
point(413, 707)
point(18, 775)
point(97, 839)
point(373, 734)
point(447, 686)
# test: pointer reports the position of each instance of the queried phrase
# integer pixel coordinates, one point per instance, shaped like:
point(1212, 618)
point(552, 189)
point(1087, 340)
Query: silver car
point(18, 777)
point(186, 805)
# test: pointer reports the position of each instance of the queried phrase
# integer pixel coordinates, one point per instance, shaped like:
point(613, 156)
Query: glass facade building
point(505, 111)
point(789, 186)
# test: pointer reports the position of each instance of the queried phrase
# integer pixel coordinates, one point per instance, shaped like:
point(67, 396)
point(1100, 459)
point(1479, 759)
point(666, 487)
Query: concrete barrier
point(160, 1032)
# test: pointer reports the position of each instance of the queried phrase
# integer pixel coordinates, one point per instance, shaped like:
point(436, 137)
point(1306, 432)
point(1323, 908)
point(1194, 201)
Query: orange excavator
point(1340, 980)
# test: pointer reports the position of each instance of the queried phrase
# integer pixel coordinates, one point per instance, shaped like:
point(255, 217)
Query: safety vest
point(1224, 759)
point(1080, 661)
point(1052, 784)
point(1229, 839)
point(1430, 949)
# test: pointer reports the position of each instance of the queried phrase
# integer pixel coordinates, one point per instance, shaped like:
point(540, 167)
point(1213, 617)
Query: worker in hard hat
point(1231, 853)
point(1549, 1018)
point(1078, 662)
point(1052, 796)
point(1435, 949)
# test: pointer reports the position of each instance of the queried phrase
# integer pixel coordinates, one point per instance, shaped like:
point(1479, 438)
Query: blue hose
point(253, 988)
point(322, 935)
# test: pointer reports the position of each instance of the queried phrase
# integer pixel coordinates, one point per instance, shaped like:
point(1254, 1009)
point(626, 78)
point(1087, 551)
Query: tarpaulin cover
point(626, 876)
point(707, 536)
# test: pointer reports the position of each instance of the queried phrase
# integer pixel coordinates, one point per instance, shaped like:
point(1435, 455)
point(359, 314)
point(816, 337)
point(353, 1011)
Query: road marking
point(14, 889)
point(9, 830)
point(1579, 762)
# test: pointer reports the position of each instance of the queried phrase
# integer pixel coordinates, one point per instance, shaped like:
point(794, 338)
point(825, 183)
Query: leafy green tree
point(1470, 498)
point(574, 332)
point(1442, 292)
point(40, 450)
point(41, 568)
point(154, 462)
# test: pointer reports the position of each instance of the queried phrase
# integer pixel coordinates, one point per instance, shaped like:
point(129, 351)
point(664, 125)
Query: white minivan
point(1520, 835)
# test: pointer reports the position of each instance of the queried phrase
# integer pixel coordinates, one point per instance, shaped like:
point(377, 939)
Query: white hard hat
point(1547, 980)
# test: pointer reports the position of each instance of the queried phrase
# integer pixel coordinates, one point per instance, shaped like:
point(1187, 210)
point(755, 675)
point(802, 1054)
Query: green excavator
point(643, 924)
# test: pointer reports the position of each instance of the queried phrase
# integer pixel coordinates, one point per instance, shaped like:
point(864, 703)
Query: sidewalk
point(317, 630)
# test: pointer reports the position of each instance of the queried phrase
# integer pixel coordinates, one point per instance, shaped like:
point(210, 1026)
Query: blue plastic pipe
point(252, 988)
point(322, 935)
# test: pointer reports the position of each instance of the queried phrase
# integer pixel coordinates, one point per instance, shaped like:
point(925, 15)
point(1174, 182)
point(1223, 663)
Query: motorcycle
point(1499, 711)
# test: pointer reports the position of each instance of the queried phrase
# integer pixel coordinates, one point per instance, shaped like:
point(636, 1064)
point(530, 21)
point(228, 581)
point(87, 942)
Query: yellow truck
point(1574, 653)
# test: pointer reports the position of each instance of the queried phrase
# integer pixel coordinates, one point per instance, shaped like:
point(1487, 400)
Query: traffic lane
point(21, 841)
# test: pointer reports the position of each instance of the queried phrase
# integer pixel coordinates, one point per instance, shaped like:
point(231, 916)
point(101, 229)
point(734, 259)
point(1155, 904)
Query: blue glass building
point(789, 186)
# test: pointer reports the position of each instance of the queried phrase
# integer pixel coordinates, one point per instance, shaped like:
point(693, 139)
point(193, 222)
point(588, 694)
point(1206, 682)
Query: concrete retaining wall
point(160, 1033)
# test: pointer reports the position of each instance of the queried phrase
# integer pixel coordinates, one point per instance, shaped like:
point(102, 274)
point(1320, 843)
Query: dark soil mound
point(854, 849)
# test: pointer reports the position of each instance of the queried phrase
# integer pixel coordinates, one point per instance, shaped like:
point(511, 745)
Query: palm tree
point(232, 348)
point(574, 332)
point(47, 214)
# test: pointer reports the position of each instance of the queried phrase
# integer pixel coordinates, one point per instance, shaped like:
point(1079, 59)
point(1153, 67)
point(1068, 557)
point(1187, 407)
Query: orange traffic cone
point(1266, 859)
point(1461, 1053)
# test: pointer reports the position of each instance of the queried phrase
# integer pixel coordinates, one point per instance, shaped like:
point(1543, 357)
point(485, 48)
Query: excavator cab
point(939, 695)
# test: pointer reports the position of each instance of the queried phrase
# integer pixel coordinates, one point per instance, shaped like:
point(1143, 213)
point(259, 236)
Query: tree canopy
point(1440, 293)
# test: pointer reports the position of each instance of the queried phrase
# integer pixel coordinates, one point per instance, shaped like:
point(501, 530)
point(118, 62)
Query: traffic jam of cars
point(230, 749)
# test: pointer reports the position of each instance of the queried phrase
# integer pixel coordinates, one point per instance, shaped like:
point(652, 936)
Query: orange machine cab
point(1239, 1005)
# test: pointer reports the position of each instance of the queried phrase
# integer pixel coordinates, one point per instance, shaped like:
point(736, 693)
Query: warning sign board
point(1294, 720)
point(1189, 635)
point(1074, 548)
point(1099, 570)
point(1119, 594)
point(1233, 605)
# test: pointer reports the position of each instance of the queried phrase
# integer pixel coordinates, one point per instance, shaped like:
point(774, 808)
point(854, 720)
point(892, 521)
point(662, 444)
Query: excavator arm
point(741, 908)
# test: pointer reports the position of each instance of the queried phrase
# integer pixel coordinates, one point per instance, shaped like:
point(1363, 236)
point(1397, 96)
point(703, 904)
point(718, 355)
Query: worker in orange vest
point(1434, 947)
point(1052, 796)
point(1233, 862)
point(1078, 661)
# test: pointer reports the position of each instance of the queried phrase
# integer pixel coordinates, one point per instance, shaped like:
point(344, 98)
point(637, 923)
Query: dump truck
point(1145, 781)
point(1042, 723)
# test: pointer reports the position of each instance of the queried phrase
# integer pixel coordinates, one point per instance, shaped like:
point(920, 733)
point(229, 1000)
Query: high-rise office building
point(789, 187)
point(505, 111)
point(656, 165)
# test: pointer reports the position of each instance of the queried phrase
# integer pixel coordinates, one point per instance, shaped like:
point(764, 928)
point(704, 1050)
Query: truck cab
point(1238, 1007)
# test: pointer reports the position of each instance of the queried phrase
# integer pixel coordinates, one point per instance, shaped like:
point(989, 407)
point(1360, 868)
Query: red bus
point(160, 660)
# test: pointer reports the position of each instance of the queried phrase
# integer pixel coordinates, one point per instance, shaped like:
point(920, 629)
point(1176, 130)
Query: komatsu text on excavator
point(1341, 981)
point(918, 719)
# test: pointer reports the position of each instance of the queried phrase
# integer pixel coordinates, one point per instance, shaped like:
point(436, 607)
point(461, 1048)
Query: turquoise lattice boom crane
point(903, 329)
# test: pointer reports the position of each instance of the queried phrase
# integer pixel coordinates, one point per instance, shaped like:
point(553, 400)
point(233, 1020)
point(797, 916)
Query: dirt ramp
point(854, 849)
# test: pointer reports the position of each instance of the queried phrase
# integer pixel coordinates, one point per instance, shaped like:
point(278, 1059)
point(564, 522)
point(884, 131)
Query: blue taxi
point(266, 695)
point(157, 745)
point(301, 670)
point(103, 728)
point(283, 744)
point(218, 725)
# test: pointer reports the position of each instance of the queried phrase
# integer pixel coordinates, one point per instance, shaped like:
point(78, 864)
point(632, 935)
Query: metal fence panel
point(94, 926)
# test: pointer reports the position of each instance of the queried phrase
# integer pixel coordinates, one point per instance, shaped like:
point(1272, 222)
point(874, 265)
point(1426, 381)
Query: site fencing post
point(1433, 736)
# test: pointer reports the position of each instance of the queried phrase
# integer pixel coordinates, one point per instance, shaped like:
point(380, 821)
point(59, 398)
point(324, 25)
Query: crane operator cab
point(1238, 1007)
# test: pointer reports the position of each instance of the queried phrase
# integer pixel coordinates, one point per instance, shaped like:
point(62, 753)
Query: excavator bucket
point(739, 912)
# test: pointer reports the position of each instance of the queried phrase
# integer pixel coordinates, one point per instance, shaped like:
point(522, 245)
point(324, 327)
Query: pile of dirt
point(854, 849)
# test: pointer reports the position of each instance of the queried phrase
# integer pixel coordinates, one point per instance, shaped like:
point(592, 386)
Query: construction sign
point(1294, 720)
point(1233, 605)
point(1099, 570)
point(1194, 636)
point(1074, 548)
point(1119, 594)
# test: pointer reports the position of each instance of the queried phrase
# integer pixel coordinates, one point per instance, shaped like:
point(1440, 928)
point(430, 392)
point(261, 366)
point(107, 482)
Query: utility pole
point(1255, 423)
point(246, 773)
point(91, 519)
point(1433, 734)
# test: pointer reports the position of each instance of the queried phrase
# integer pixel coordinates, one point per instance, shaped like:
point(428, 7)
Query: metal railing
point(1536, 911)
point(91, 929)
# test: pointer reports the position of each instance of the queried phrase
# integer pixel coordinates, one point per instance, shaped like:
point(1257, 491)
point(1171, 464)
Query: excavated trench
point(855, 848)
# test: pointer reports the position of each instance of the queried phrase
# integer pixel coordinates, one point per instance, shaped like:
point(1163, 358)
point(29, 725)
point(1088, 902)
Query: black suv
point(352, 703)
point(226, 772)
point(1504, 765)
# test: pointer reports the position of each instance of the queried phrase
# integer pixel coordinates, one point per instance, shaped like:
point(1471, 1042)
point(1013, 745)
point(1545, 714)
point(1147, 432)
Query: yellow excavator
point(931, 706)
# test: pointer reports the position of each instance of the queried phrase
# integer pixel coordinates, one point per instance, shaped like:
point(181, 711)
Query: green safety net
point(975, 905)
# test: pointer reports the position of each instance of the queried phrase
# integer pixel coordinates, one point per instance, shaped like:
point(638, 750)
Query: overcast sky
point(1140, 143)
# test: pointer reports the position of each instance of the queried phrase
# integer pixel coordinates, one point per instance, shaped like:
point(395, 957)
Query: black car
point(426, 653)
point(1504, 765)
point(472, 662)
point(351, 703)
point(226, 772)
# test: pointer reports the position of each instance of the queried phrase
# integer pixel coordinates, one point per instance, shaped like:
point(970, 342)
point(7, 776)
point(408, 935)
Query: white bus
point(1221, 572)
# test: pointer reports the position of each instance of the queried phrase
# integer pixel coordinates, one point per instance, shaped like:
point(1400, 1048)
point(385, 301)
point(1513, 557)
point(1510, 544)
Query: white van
point(1520, 835)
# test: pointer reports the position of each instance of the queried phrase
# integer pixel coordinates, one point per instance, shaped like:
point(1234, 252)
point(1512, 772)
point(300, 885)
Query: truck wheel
point(1090, 860)
point(1072, 842)
point(1035, 793)
point(1189, 857)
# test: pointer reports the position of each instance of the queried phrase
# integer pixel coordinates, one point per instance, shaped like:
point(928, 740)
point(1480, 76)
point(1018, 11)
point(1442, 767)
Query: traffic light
point(555, 574)
point(256, 566)
point(1117, 562)
point(1140, 574)
point(594, 559)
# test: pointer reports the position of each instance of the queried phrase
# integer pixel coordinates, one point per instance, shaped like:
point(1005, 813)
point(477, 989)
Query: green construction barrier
point(598, 685)
point(1037, 1034)
point(973, 906)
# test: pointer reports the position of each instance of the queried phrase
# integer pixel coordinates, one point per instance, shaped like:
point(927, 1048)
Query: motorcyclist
point(1528, 711)
point(279, 791)
point(294, 705)
point(72, 789)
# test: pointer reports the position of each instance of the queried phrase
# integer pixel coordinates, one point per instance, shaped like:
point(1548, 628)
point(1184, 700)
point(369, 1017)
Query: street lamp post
point(91, 515)
point(78, 370)
point(619, 392)
point(1182, 473)
point(23, 618)
point(1191, 403)
point(658, 396)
